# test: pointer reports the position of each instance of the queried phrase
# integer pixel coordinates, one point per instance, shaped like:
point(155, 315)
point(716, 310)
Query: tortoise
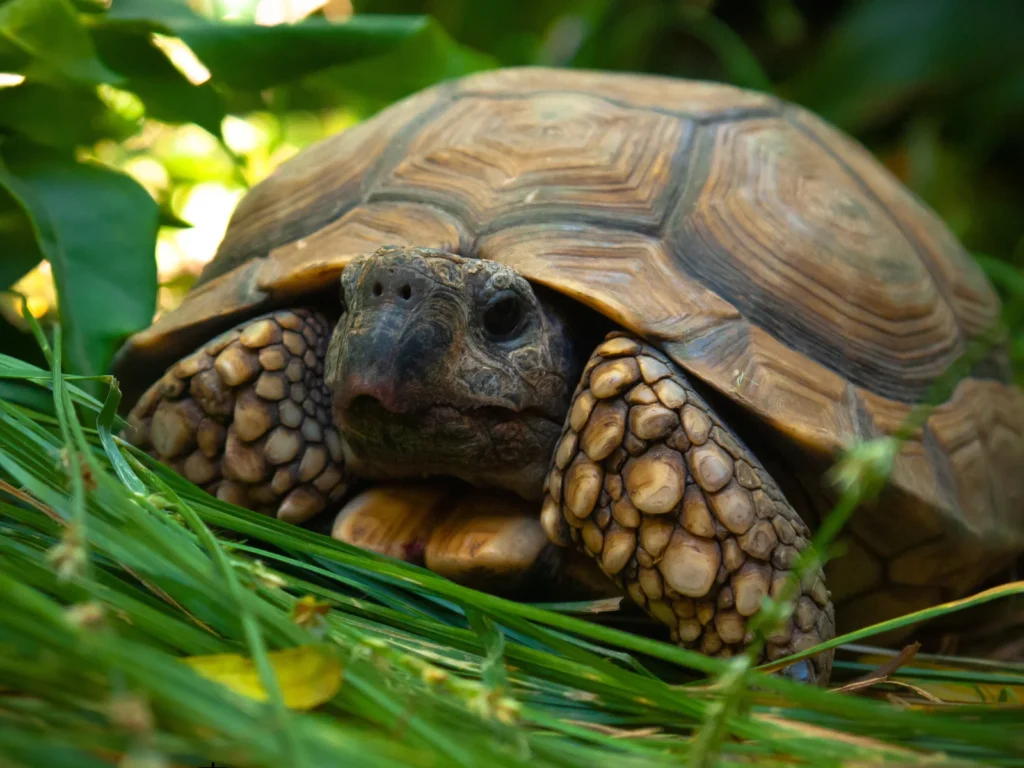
point(637, 317)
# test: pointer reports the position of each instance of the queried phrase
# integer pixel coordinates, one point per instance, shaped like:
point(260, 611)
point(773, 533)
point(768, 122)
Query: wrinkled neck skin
point(446, 366)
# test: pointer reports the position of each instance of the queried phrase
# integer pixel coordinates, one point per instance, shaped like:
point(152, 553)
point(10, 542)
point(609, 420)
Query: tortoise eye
point(503, 317)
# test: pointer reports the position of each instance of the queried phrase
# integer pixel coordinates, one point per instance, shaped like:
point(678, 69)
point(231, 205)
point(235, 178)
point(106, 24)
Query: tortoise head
point(442, 365)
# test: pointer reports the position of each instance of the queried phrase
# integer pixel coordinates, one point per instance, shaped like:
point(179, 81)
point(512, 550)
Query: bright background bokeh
point(198, 179)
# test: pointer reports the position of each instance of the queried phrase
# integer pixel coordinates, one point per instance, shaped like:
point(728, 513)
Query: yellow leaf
point(308, 675)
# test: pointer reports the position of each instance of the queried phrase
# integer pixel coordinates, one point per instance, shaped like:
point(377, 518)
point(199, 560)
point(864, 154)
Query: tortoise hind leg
point(650, 482)
point(248, 417)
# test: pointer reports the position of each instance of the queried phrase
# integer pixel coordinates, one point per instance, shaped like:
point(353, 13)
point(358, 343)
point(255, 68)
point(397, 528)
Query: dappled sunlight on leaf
point(99, 305)
point(182, 57)
point(270, 12)
point(37, 287)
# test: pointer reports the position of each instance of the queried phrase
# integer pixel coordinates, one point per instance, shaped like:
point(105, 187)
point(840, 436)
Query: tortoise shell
point(767, 253)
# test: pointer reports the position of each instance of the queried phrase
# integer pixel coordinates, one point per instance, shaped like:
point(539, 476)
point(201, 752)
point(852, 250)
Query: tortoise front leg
point(248, 417)
point(650, 482)
point(488, 539)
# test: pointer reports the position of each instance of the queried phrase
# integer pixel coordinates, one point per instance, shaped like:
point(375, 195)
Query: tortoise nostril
point(405, 291)
point(377, 289)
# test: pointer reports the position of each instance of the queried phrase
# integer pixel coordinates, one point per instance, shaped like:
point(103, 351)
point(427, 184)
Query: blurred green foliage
point(97, 74)
point(934, 87)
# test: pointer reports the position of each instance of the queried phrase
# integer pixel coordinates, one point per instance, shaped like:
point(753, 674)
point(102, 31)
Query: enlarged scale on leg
point(247, 417)
point(648, 480)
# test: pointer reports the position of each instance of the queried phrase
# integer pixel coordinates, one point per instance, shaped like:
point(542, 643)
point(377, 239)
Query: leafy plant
point(89, 75)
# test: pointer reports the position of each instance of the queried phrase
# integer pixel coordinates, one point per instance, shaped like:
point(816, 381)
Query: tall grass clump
point(145, 623)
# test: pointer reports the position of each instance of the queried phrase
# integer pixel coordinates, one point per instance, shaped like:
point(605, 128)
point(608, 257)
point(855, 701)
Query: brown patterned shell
point(768, 254)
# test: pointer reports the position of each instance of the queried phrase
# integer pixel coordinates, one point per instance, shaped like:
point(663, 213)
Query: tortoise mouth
point(487, 446)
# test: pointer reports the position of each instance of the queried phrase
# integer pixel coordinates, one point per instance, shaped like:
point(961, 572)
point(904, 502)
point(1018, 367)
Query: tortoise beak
point(397, 340)
point(390, 362)
point(380, 389)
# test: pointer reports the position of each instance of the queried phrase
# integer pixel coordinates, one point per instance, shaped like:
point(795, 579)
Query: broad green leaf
point(515, 33)
point(999, 103)
point(254, 57)
point(12, 58)
point(61, 116)
point(308, 675)
point(421, 60)
point(1003, 274)
point(166, 13)
point(53, 40)
point(19, 252)
point(883, 52)
point(167, 95)
point(168, 218)
point(20, 343)
point(98, 230)
point(739, 62)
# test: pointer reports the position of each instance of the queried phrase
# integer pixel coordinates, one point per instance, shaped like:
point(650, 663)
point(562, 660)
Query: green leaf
point(884, 52)
point(257, 57)
point(12, 58)
point(421, 60)
point(22, 393)
point(739, 61)
point(254, 57)
point(104, 427)
point(49, 36)
point(1004, 275)
point(60, 117)
point(17, 342)
point(493, 668)
point(166, 93)
point(166, 13)
point(168, 218)
point(98, 230)
point(20, 252)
